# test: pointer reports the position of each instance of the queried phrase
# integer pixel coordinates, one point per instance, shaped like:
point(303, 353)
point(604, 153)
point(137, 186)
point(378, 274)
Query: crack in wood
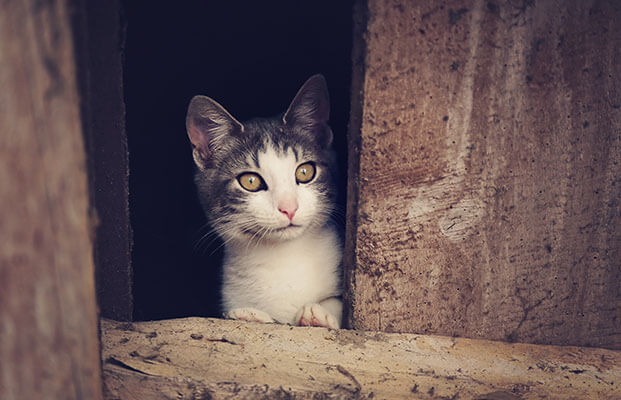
point(118, 363)
point(349, 375)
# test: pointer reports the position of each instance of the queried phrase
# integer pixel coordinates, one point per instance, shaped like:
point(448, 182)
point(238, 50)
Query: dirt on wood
point(485, 147)
point(198, 358)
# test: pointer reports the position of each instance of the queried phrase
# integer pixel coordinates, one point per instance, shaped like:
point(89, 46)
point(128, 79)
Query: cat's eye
point(251, 182)
point(305, 172)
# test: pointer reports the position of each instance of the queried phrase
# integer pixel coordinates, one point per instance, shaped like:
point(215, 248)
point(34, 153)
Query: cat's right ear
point(209, 125)
point(310, 110)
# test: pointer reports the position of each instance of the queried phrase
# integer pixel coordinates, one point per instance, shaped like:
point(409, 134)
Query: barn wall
point(48, 324)
point(488, 199)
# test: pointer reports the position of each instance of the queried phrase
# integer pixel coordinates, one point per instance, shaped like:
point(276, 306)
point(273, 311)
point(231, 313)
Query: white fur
point(285, 271)
point(279, 279)
point(321, 314)
point(278, 171)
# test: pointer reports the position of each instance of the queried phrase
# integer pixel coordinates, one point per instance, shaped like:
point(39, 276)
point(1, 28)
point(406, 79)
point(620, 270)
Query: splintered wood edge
point(204, 358)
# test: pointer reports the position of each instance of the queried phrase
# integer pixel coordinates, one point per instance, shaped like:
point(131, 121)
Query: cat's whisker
point(250, 242)
point(265, 233)
point(336, 214)
point(206, 240)
point(201, 247)
point(339, 221)
point(213, 235)
point(226, 238)
point(214, 251)
point(205, 227)
point(262, 233)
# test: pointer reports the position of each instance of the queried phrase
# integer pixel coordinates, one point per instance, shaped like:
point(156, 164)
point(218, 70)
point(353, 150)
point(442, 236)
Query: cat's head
point(267, 179)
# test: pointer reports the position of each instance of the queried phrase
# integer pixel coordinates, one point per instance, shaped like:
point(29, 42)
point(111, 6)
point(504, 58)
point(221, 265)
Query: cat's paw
point(315, 315)
point(249, 314)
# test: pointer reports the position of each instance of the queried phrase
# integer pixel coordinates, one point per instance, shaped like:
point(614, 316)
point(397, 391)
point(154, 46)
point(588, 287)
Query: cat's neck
point(308, 250)
point(242, 247)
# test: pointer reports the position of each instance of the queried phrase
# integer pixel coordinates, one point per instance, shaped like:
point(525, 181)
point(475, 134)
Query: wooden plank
point(48, 323)
point(214, 359)
point(488, 157)
point(99, 42)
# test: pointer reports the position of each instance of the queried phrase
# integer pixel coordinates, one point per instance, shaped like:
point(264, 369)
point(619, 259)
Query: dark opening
point(249, 56)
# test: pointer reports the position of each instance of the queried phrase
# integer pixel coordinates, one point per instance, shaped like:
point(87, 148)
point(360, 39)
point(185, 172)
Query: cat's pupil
point(305, 172)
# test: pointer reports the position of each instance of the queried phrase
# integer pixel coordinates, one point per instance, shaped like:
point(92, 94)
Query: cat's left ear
point(310, 110)
point(210, 127)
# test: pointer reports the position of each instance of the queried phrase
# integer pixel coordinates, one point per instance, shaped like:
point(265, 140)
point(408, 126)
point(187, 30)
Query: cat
point(267, 187)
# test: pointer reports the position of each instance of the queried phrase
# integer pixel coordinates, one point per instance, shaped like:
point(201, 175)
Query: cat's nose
point(288, 208)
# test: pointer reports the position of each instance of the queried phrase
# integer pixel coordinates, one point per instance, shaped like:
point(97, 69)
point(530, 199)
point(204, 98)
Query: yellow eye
point(305, 172)
point(251, 182)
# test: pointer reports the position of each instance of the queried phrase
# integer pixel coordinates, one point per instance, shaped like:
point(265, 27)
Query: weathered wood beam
point(484, 176)
point(49, 346)
point(200, 358)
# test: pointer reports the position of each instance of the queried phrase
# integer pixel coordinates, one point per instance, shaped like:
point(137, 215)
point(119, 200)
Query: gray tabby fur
point(275, 269)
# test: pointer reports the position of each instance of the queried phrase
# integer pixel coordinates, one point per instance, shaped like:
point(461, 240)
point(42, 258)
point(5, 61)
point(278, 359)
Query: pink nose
point(288, 208)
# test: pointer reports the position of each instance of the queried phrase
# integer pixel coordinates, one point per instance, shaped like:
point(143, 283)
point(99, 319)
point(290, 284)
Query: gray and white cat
point(267, 188)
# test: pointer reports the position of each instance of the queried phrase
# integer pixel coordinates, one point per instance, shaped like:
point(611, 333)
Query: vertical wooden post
point(488, 200)
point(99, 38)
point(48, 322)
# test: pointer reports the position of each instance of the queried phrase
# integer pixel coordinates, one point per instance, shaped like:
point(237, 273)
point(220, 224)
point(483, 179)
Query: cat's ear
point(310, 109)
point(209, 125)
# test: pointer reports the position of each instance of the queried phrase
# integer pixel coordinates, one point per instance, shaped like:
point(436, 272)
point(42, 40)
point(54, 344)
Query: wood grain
point(198, 358)
point(48, 324)
point(487, 151)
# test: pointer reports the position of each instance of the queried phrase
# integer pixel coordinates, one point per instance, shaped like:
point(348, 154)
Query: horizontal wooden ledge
point(204, 358)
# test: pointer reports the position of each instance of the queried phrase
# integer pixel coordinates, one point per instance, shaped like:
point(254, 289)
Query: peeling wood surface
point(197, 358)
point(48, 320)
point(487, 204)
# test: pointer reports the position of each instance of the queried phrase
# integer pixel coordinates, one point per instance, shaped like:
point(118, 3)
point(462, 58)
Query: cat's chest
point(297, 265)
point(291, 264)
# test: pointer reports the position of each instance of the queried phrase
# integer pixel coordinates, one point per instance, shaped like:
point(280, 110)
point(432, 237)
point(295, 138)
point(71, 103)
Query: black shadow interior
point(249, 56)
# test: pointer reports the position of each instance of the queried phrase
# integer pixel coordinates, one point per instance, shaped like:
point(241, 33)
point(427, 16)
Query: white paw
point(315, 315)
point(248, 314)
